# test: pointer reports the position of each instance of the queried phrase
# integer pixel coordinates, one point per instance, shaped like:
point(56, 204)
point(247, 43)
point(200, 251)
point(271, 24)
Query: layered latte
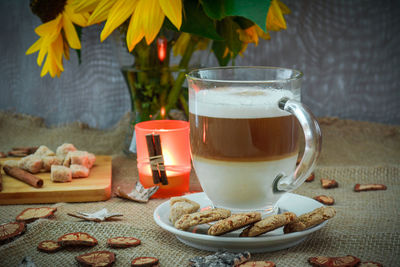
point(240, 141)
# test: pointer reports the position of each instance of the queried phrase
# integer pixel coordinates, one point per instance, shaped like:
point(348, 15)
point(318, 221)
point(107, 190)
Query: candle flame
point(162, 111)
point(162, 48)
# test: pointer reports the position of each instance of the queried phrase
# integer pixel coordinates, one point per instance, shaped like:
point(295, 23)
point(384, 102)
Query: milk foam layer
point(238, 102)
point(242, 185)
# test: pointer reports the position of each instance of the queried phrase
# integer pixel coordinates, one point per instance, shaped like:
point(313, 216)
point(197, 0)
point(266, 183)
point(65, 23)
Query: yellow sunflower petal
point(45, 69)
point(48, 27)
point(275, 20)
point(135, 32)
point(78, 18)
point(58, 49)
point(42, 52)
point(152, 18)
point(101, 12)
point(84, 5)
point(243, 49)
point(262, 34)
point(121, 10)
point(284, 8)
point(66, 50)
point(248, 35)
point(70, 33)
point(52, 64)
point(173, 10)
point(35, 47)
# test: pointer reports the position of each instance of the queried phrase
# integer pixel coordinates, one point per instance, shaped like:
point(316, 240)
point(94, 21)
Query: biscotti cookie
point(310, 219)
point(181, 206)
point(188, 220)
point(268, 224)
point(234, 222)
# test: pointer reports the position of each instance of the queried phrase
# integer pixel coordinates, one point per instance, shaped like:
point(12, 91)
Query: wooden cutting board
point(96, 187)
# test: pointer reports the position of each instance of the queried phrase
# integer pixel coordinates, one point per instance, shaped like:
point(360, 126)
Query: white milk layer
point(238, 102)
point(242, 185)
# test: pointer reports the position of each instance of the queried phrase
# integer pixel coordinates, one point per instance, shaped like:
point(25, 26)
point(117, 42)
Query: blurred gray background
point(349, 52)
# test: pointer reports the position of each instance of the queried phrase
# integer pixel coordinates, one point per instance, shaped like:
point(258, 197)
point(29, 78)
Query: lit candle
point(174, 137)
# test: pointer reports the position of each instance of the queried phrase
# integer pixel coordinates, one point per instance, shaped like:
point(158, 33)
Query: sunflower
point(146, 17)
point(275, 19)
point(57, 33)
point(274, 22)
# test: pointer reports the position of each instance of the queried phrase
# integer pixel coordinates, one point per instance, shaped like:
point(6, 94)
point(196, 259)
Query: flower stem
point(173, 96)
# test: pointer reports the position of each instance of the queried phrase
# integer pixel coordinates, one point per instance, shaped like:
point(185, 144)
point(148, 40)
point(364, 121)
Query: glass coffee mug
point(244, 135)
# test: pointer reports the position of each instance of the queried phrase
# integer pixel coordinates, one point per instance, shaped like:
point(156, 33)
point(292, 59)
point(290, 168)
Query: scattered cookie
point(188, 220)
point(123, 242)
point(144, 262)
point(310, 178)
point(96, 258)
point(258, 264)
point(77, 239)
point(370, 264)
point(325, 199)
point(268, 224)
point(310, 219)
point(49, 246)
point(8, 231)
point(369, 187)
point(181, 206)
point(234, 222)
point(220, 259)
point(329, 183)
point(346, 261)
point(31, 214)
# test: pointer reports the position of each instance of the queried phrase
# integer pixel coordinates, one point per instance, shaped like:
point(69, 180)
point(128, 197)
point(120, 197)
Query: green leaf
point(195, 21)
point(218, 48)
point(227, 28)
point(254, 10)
point(243, 22)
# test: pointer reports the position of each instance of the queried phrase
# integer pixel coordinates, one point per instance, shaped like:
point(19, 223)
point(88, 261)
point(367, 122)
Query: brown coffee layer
point(259, 139)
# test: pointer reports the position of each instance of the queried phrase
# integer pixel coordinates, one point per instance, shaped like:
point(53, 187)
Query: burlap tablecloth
point(366, 224)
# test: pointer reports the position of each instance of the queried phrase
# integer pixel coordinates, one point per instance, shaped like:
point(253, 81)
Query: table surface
point(366, 224)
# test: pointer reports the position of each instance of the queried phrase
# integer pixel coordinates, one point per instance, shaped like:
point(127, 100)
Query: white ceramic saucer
point(271, 241)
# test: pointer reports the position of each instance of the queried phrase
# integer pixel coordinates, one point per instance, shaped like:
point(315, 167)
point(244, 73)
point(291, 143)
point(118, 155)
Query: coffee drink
point(240, 141)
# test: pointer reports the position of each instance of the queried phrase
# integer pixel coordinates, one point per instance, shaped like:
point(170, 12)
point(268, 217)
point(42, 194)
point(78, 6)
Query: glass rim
point(190, 75)
point(162, 126)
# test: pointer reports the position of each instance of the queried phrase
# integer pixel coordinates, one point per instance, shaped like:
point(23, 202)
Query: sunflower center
point(47, 10)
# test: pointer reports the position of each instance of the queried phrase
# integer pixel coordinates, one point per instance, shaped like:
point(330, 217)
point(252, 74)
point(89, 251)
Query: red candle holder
point(163, 156)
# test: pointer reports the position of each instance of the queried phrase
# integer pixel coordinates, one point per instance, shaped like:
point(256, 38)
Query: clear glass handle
point(312, 134)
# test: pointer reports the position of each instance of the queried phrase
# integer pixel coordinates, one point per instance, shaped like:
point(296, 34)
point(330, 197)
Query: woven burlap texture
point(366, 224)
